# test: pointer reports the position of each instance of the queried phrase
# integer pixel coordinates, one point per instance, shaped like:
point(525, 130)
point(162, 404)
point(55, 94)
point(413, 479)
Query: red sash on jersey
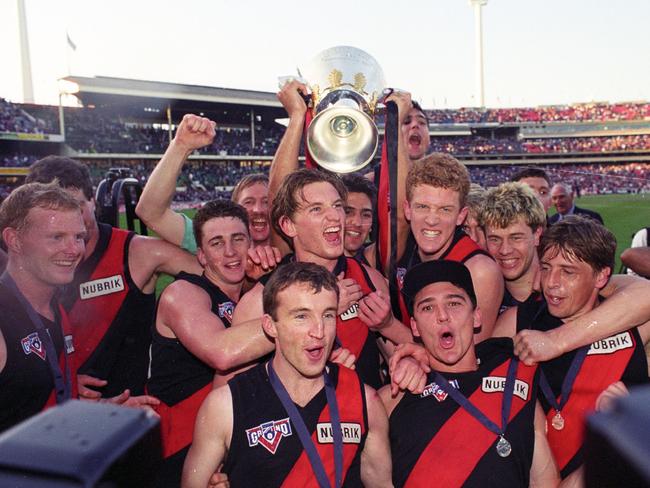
point(353, 332)
point(66, 330)
point(597, 372)
point(460, 252)
point(462, 441)
point(91, 318)
point(177, 421)
point(350, 401)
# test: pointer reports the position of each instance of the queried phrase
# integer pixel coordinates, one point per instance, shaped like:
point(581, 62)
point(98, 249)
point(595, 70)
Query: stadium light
point(478, 33)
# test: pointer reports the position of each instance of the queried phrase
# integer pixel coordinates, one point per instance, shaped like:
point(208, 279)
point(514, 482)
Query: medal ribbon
point(464, 402)
point(62, 383)
point(305, 439)
point(567, 384)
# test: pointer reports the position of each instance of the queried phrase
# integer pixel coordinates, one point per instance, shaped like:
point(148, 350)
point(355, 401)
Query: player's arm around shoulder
point(488, 284)
point(212, 437)
point(376, 463)
point(184, 311)
point(149, 256)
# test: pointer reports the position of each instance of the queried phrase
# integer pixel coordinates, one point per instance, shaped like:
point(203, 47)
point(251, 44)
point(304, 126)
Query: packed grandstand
point(597, 147)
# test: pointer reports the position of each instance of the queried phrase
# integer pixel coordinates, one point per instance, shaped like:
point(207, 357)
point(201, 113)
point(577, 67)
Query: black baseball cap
point(436, 271)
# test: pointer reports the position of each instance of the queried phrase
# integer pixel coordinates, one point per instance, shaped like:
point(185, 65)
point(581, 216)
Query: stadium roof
point(91, 90)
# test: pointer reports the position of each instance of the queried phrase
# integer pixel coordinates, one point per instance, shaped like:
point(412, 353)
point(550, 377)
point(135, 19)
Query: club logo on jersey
point(351, 433)
point(493, 384)
point(432, 389)
point(100, 287)
point(269, 434)
point(612, 344)
point(401, 272)
point(32, 344)
point(351, 312)
point(225, 310)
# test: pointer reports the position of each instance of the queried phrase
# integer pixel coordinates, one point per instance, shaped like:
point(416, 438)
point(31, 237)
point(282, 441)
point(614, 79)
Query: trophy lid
point(344, 67)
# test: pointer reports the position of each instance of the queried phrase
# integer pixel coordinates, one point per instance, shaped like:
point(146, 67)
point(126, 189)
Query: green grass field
point(623, 215)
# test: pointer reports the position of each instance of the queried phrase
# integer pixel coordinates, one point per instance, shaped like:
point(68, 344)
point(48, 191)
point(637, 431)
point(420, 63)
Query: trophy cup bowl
point(346, 84)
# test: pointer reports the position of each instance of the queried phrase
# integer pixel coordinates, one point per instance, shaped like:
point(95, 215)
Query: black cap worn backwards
point(436, 271)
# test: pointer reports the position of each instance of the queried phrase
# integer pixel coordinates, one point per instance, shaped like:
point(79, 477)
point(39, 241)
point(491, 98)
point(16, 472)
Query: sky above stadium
point(535, 53)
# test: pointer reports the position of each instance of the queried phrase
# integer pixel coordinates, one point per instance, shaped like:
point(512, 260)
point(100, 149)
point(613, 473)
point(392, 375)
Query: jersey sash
point(351, 406)
point(597, 372)
point(463, 433)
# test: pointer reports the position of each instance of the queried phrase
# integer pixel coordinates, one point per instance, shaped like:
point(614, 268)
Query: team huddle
point(285, 354)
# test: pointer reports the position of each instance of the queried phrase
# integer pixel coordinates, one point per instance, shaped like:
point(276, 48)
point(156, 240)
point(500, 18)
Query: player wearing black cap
point(476, 423)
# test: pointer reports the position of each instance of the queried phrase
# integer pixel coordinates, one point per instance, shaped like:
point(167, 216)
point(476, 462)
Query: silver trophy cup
point(346, 84)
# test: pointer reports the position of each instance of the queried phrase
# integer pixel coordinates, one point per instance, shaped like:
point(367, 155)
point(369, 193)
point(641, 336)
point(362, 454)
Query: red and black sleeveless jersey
point(179, 379)
point(461, 249)
point(26, 383)
point(111, 318)
point(620, 357)
point(351, 332)
point(435, 442)
point(265, 450)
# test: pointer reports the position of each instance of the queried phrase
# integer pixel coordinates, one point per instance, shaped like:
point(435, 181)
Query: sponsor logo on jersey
point(100, 287)
point(351, 312)
point(32, 344)
point(351, 433)
point(432, 389)
point(493, 384)
point(225, 310)
point(612, 344)
point(401, 272)
point(269, 434)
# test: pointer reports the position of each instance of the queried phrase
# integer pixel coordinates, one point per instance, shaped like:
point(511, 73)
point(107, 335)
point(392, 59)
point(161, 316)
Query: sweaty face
point(255, 199)
point(562, 199)
point(52, 245)
point(514, 248)
point(317, 226)
point(443, 316)
point(570, 286)
point(475, 231)
point(304, 329)
point(415, 130)
point(224, 249)
point(541, 189)
point(433, 214)
point(358, 221)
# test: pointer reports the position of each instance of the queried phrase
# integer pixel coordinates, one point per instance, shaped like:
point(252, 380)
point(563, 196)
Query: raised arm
point(285, 160)
point(204, 334)
point(154, 207)
point(627, 306)
point(376, 463)
point(212, 434)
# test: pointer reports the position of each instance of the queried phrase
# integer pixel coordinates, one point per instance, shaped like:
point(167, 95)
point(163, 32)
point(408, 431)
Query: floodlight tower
point(28, 87)
point(478, 33)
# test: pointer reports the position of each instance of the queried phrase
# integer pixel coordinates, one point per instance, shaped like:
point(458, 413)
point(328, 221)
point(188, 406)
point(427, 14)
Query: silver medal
point(503, 447)
point(558, 421)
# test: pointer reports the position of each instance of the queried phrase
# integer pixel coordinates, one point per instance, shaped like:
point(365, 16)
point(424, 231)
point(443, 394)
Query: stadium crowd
point(455, 346)
point(588, 112)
